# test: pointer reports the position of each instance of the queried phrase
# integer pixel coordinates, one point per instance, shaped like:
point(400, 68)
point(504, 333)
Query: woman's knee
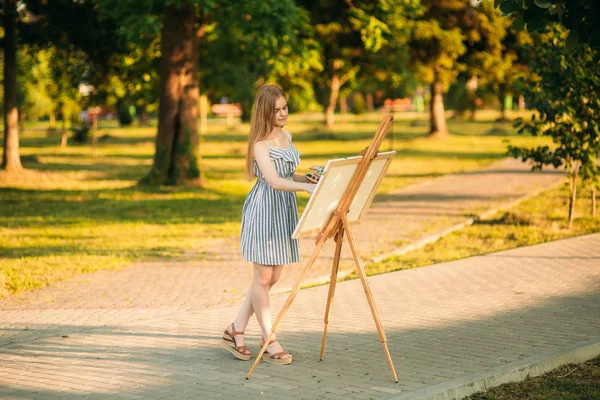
point(273, 281)
point(263, 276)
point(276, 274)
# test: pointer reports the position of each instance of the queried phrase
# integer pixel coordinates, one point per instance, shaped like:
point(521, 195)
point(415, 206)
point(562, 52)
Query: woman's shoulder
point(261, 146)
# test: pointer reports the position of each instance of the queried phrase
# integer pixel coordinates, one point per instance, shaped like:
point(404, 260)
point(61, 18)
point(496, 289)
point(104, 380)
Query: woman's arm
point(261, 155)
point(301, 178)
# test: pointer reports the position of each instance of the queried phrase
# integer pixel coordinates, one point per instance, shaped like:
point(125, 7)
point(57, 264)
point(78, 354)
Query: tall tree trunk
point(521, 102)
point(142, 114)
point(370, 103)
point(335, 91)
point(11, 160)
point(176, 159)
point(573, 187)
point(343, 107)
point(438, 117)
point(63, 127)
point(502, 98)
point(594, 199)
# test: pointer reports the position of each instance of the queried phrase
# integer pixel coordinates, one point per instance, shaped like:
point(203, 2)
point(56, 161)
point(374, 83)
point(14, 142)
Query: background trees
point(579, 17)
point(160, 56)
point(11, 159)
point(563, 89)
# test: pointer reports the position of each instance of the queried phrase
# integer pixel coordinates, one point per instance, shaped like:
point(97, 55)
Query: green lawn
point(569, 382)
point(539, 219)
point(68, 213)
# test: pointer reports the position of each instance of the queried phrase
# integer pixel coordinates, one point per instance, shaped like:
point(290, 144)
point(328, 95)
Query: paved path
point(151, 330)
point(216, 274)
point(447, 324)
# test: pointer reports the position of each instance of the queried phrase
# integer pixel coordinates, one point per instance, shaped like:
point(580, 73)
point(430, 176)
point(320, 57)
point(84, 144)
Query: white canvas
point(333, 185)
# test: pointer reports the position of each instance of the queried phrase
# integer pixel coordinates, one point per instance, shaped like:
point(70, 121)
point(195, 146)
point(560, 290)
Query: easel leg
point(287, 304)
point(332, 282)
point(363, 278)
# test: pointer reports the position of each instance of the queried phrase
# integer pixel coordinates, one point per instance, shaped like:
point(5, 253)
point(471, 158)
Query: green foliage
point(563, 90)
point(580, 17)
point(358, 103)
point(437, 41)
point(363, 43)
point(125, 113)
point(250, 43)
point(81, 134)
point(34, 82)
point(487, 57)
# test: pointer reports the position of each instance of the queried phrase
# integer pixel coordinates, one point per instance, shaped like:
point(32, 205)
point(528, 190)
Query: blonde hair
point(261, 123)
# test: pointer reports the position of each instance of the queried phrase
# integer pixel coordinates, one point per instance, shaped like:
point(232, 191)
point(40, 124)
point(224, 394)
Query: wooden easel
point(338, 226)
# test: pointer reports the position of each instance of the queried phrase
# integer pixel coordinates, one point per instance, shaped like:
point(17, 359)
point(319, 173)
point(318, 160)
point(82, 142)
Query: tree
point(436, 43)
point(563, 90)
point(386, 71)
point(78, 49)
point(349, 33)
point(11, 159)
point(34, 83)
point(580, 17)
point(184, 28)
point(487, 57)
point(246, 47)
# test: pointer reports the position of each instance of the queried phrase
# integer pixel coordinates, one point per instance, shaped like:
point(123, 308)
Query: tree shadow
point(33, 208)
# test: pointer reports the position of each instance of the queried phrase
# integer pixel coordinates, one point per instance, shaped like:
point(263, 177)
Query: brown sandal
point(229, 344)
point(277, 357)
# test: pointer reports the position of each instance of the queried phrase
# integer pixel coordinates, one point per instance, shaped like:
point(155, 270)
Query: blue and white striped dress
point(270, 216)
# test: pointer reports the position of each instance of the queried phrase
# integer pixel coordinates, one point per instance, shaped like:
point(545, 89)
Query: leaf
point(572, 41)
point(595, 39)
point(537, 23)
point(497, 3)
point(519, 24)
point(511, 6)
point(542, 3)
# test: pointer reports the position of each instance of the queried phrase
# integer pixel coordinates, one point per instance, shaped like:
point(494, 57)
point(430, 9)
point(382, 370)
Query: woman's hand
point(310, 188)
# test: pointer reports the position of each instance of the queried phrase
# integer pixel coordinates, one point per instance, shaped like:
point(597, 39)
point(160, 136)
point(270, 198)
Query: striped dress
point(270, 216)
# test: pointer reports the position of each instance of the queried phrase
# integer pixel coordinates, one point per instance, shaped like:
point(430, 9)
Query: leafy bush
point(81, 133)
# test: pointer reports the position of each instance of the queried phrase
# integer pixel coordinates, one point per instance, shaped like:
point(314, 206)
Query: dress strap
point(288, 135)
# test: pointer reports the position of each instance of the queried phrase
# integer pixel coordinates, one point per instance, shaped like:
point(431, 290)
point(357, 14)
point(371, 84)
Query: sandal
point(277, 357)
point(228, 343)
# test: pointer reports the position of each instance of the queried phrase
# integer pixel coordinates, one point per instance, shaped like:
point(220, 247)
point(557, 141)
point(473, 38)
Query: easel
point(338, 226)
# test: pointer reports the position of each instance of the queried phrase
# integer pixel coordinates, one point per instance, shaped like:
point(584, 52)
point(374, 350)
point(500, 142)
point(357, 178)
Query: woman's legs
point(258, 301)
point(262, 303)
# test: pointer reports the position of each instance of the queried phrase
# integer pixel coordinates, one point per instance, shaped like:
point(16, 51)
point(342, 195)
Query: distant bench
point(390, 105)
point(227, 110)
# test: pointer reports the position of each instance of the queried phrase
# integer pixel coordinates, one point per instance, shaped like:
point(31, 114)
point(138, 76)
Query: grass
point(539, 219)
point(569, 382)
point(68, 213)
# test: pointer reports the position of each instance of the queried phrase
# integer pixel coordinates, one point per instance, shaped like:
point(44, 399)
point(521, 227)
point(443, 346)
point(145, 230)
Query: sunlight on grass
point(68, 213)
point(539, 219)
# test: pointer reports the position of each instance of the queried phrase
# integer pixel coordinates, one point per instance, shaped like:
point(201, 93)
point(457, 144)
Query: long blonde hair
point(261, 123)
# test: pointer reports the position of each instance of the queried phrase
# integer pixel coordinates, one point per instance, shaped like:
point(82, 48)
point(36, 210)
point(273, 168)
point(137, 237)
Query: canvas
point(332, 186)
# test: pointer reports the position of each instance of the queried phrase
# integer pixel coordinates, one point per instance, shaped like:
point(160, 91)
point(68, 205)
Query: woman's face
point(281, 112)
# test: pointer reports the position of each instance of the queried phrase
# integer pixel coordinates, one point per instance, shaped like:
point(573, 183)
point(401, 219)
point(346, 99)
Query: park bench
point(227, 110)
point(392, 105)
